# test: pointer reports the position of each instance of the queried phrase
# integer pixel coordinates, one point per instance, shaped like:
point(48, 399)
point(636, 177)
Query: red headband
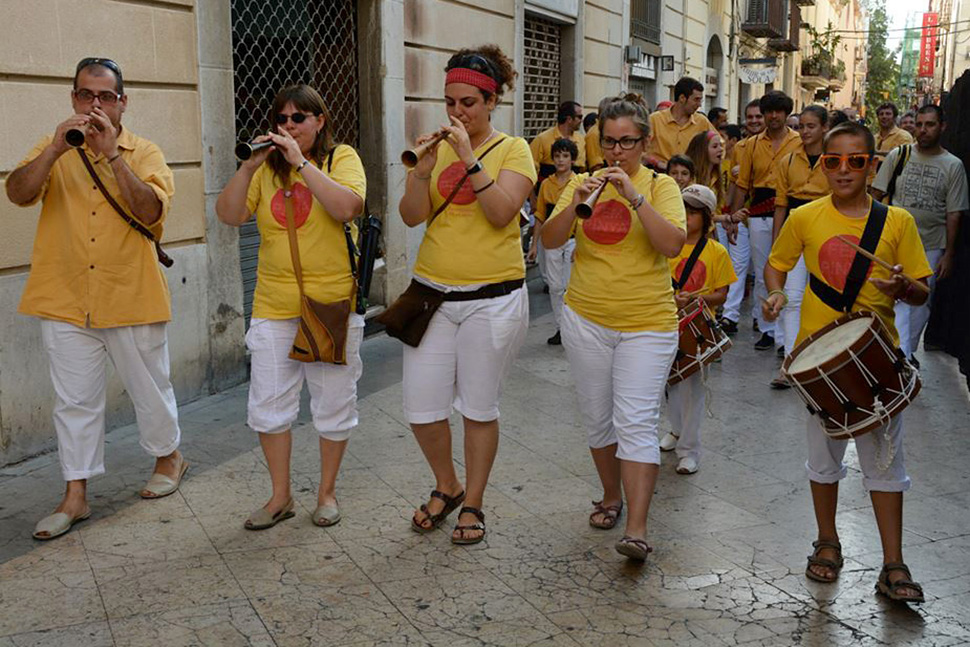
point(711, 135)
point(471, 77)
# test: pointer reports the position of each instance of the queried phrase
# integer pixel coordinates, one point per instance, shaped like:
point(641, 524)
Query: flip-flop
point(57, 524)
point(634, 548)
point(891, 589)
point(815, 560)
point(261, 519)
point(160, 485)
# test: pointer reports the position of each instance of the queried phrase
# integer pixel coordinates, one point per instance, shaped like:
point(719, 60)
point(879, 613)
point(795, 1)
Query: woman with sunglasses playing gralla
point(812, 230)
point(317, 186)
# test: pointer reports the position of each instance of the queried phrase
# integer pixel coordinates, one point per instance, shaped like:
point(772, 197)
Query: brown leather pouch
point(408, 317)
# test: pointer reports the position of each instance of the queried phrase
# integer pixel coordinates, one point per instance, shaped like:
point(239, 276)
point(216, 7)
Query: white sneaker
point(668, 442)
point(687, 465)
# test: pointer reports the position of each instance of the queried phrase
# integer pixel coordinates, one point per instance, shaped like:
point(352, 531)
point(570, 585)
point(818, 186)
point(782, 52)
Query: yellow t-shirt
point(758, 159)
point(89, 267)
point(549, 192)
point(796, 178)
point(323, 245)
point(594, 152)
point(811, 230)
point(896, 137)
point(541, 147)
point(461, 247)
point(713, 269)
point(618, 279)
point(668, 138)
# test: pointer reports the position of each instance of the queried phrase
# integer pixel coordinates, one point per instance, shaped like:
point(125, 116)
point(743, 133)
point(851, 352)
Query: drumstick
point(878, 261)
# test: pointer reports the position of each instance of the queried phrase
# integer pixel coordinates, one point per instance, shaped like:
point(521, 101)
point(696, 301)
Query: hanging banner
point(757, 75)
point(927, 44)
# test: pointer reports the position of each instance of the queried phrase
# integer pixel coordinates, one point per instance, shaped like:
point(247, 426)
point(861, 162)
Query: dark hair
point(704, 171)
point(707, 218)
point(733, 130)
point(837, 117)
point(567, 145)
point(686, 86)
point(851, 128)
point(910, 114)
point(754, 103)
point(714, 113)
point(489, 60)
point(100, 64)
point(589, 120)
point(305, 99)
point(818, 112)
point(889, 105)
point(567, 110)
point(932, 107)
point(776, 100)
point(630, 105)
point(682, 160)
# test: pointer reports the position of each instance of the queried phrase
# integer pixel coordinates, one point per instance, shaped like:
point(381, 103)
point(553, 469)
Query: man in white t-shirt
point(933, 187)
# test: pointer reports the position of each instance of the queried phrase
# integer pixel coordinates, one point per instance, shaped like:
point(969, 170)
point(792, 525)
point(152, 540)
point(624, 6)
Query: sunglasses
point(104, 62)
point(297, 117)
point(854, 162)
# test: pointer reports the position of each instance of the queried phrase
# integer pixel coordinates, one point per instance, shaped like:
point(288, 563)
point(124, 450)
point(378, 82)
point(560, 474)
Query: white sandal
point(57, 524)
point(160, 485)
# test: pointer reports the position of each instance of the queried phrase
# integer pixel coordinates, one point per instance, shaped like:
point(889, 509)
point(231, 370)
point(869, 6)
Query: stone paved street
point(730, 542)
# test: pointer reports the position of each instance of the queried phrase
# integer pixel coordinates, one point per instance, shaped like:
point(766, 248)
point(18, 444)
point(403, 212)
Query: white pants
point(759, 229)
point(463, 358)
point(78, 371)
point(825, 455)
point(788, 322)
point(620, 379)
point(740, 252)
point(912, 320)
point(685, 408)
point(558, 266)
point(276, 381)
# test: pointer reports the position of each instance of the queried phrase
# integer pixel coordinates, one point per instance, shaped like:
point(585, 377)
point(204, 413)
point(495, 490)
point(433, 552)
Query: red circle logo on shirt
point(609, 224)
point(697, 278)
point(450, 178)
point(302, 201)
point(834, 260)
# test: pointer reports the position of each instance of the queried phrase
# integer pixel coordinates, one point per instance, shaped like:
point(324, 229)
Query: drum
point(851, 375)
point(701, 341)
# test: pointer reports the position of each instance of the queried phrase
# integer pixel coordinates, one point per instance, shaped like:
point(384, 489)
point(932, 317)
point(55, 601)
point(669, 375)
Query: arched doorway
point(714, 73)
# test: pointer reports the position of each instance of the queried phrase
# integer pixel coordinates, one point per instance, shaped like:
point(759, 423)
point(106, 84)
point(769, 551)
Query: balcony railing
point(645, 20)
point(766, 18)
point(789, 43)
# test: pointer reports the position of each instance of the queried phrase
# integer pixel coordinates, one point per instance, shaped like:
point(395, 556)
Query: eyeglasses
point(627, 143)
point(854, 162)
point(297, 117)
point(107, 98)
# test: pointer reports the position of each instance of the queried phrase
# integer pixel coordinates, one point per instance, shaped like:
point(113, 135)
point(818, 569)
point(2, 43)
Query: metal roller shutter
point(541, 74)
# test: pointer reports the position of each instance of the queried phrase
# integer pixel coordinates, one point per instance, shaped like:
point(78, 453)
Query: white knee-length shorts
point(879, 474)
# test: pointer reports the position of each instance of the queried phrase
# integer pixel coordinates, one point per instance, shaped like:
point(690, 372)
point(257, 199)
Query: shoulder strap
point(904, 152)
point(134, 223)
point(294, 240)
point(330, 160)
point(856, 278)
point(454, 192)
point(691, 261)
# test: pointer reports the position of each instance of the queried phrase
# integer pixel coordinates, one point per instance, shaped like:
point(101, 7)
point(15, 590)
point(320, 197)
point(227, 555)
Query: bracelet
point(302, 164)
point(490, 183)
point(112, 159)
point(783, 296)
point(636, 204)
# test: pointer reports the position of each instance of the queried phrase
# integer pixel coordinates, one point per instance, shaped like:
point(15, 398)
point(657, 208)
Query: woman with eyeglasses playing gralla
point(318, 186)
point(619, 322)
point(467, 191)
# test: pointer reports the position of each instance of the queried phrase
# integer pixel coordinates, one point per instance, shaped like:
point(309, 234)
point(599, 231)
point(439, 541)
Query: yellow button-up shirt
point(758, 159)
point(896, 137)
point(796, 178)
point(541, 147)
point(594, 152)
point(668, 138)
point(89, 267)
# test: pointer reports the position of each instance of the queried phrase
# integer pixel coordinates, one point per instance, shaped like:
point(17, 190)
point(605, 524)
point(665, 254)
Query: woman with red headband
point(468, 191)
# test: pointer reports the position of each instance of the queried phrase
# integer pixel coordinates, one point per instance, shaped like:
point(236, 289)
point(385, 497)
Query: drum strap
point(691, 262)
point(843, 301)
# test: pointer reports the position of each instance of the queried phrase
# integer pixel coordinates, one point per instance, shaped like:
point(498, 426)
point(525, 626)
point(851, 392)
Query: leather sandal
point(160, 485)
point(479, 525)
point(892, 589)
point(451, 504)
point(610, 514)
point(636, 549)
point(814, 560)
point(261, 519)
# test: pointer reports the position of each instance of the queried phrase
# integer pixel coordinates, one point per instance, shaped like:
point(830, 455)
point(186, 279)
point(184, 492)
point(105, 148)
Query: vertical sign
point(927, 44)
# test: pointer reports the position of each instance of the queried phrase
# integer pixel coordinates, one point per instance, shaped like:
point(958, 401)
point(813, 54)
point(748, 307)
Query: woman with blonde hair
point(307, 185)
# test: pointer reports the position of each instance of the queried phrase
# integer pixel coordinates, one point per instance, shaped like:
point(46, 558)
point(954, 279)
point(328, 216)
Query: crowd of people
point(672, 209)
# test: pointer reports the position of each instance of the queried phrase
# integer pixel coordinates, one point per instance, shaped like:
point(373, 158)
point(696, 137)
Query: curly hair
point(490, 60)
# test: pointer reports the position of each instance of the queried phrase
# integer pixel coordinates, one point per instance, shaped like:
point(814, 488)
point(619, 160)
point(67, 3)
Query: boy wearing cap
point(701, 271)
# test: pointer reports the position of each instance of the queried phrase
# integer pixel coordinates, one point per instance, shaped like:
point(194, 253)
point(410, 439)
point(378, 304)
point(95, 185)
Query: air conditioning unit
point(632, 54)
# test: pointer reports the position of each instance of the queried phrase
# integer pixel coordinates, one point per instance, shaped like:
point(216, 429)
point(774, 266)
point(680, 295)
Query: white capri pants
point(463, 357)
point(912, 320)
point(620, 379)
point(825, 464)
point(277, 380)
point(790, 318)
point(558, 266)
point(685, 408)
point(78, 371)
point(740, 252)
point(759, 230)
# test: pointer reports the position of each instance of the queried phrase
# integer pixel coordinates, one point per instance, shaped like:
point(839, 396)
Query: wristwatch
point(474, 168)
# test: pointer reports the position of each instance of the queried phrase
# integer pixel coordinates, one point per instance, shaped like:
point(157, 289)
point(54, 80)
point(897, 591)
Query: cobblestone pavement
point(730, 542)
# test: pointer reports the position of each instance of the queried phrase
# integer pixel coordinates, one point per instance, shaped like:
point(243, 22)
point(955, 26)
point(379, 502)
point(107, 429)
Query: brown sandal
point(891, 589)
point(451, 503)
point(635, 549)
point(611, 513)
point(480, 525)
point(815, 560)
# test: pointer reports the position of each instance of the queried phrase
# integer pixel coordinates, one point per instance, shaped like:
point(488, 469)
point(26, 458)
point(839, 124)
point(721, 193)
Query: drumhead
point(830, 345)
